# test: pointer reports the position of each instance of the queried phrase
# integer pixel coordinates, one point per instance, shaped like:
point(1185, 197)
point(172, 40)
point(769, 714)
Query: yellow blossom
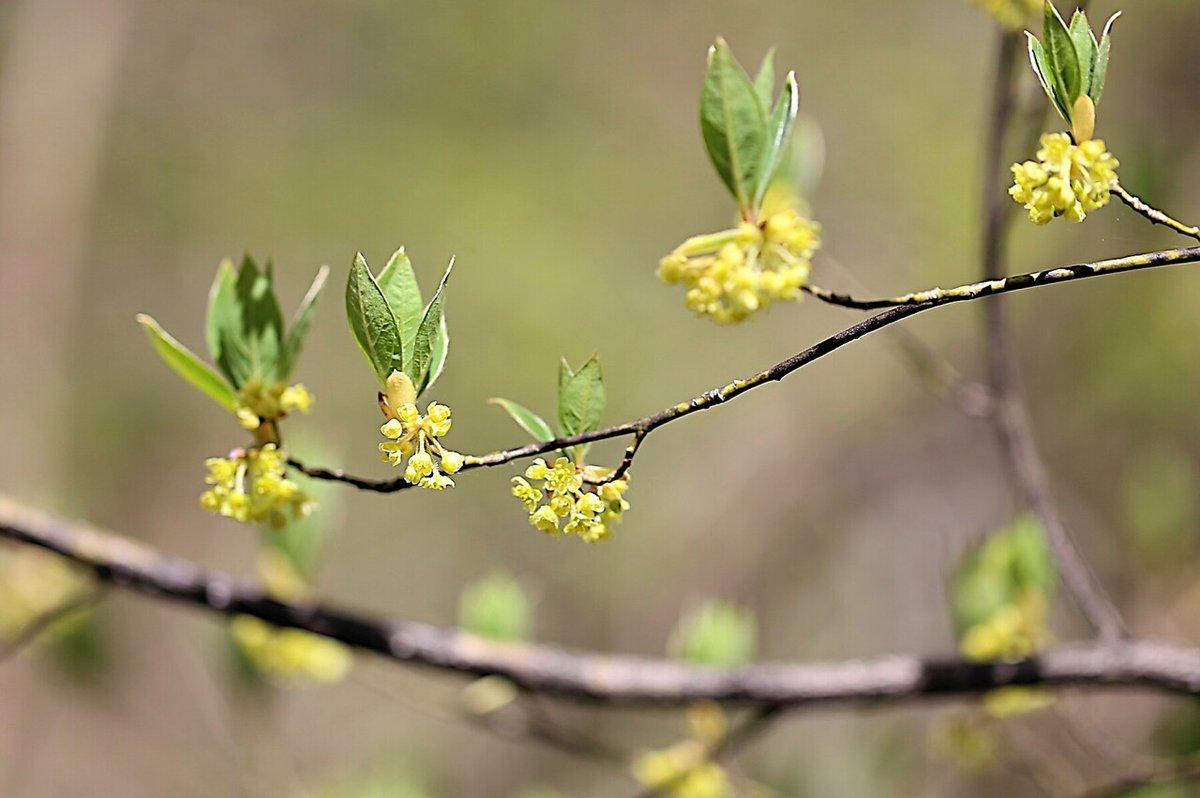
point(415, 437)
point(252, 486)
point(732, 274)
point(260, 402)
point(1067, 180)
point(578, 500)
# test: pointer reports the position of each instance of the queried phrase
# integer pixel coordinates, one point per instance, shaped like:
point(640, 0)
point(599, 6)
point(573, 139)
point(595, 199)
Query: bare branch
point(605, 678)
point(1154, 214)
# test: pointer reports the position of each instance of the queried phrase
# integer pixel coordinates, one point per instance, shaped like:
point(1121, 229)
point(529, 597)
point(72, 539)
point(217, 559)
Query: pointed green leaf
point(441, 350)
point(261, 319)
point(764, 81)
point(187, 365)
point(1100, 71)
point(399, 284)
point(371, 320)
point(1037, 58)
point(1085, 49)
point(528, 420)
point(733, 124)
point(300, 324)
point(581, 398)
point(427, 333)
point(780, 130)
point(1062, 58)
point(223, 327)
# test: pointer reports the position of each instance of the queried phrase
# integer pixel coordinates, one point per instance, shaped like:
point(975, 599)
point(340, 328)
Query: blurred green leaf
point(1009, 562)
point(187, 365)
point(1062, 58)
point(780, 134)
point(496, 607)
point(1085, 50)
point(764, 80)
point(528, 420)
point(733, 124)
point(300, 325)
point(261, 319)
point(223, 327)
point(421, 360)
point(1100, 72)
point(441, 351)
point(372, 321)
point(718, 633)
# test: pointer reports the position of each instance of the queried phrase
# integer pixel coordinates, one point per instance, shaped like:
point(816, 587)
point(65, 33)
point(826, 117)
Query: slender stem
point(1011, 420)
point(1154, 214)
point(898, 308)
point(604, 678)
point(34, 629)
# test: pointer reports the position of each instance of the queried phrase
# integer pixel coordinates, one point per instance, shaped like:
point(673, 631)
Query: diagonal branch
point(1154, 214)
point(898, 308)
point(605, 678)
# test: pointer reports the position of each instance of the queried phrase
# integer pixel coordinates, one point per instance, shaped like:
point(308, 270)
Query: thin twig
point(1154, 214)
point(898, 308)
point(606, 678)
point(43, 621)
point(1011, 417)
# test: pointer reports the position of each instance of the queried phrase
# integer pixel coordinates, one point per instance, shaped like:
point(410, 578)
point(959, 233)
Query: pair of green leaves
point(393, 328)
point(1070, 63)
point(1011, 562)
point(581, 400)
point(746, 136)
point(245, 333)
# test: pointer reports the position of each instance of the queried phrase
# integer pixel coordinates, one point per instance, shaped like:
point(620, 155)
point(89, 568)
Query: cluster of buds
point(1013, 633)
point(415, 436)
point(251, 486)
point(578, 500)
point(686, 769)
point(1012, 14)
point(732, 274)
point(1068, 179)
point(259, 403)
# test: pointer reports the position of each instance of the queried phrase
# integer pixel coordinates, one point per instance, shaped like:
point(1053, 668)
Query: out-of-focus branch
point(43, 621)
point(898, 308)
point(605, 678)
point(1010, 416)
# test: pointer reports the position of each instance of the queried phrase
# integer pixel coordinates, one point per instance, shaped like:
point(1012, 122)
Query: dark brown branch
point(1010, 418)
point(604, 678)
point(898, 308)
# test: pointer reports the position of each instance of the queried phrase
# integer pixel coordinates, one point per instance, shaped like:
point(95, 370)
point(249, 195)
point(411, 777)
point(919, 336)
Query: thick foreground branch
point(611, 679)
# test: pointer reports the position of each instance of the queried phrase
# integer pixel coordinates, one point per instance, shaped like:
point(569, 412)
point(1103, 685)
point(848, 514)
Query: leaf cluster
point(581, 401)
point(1071, 63)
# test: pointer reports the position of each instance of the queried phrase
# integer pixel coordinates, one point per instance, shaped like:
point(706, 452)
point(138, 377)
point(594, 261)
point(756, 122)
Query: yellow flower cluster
point(252, 486)
point(415, 436)
point(732, 274)
point(571, 493)
point(289, 655)
point(259, 402)
point(1068, 179)
point(1012, 634)
point(1010, 13)
point(686, 769)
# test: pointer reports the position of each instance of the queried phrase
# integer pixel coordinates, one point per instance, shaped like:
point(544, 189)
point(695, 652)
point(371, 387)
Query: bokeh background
point(553, 149)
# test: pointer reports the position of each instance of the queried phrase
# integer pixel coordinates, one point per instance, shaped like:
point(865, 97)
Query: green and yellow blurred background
point(553, 149)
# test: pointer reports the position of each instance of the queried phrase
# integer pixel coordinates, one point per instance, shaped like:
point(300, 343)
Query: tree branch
point(898, 308)
point(1154, 214)
point(604, 678)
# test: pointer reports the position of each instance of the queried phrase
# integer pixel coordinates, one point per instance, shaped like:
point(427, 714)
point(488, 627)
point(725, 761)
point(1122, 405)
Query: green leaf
point(764, 81)
point(496, 607)
point(441, 351)
point(1100, 71)
point(399, 284)
point(1085, 49)
point(301, 322)
point(223, 327)
point(261, 321)
point(187, 365)
point(780, 129)
point(372, 321)
point(717, 634)
point(1041, 67)
point(1062, 59)
point(427, 333)
point(1010, 562)
point(733, 124)
point(528, 420)
point(580, 397)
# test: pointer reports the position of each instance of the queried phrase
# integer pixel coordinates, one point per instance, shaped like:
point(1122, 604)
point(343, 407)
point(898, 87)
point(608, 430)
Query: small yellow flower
point(1067, 180)
point(415, 436)
point(732, 274)
point(259, 402)
point(251, 486)
point(577, 500)
point(1010, 13)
